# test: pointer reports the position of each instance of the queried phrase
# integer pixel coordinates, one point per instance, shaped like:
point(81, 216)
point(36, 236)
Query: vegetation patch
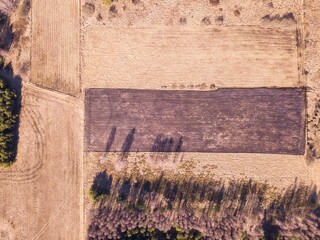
point(100, 188)
point(8, 120)
point(107, 2)
point(175, 233)
point(216, 209)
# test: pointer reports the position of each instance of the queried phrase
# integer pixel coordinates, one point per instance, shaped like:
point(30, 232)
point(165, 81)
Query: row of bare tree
point(7, 6)
point(217, 209)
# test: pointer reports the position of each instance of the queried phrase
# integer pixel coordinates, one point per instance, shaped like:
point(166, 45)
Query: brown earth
point(224, 120)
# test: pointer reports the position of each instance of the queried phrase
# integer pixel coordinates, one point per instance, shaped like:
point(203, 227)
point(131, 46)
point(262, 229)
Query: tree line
point(8, 120)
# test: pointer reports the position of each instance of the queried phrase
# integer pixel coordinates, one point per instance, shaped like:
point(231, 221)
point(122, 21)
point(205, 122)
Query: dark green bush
point(175, 233)
point(100, 188)
point(7, 124)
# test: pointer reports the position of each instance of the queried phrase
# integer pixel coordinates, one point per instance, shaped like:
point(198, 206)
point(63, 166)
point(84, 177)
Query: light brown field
point(179, 57)
point(55, 45)
point(40, 194)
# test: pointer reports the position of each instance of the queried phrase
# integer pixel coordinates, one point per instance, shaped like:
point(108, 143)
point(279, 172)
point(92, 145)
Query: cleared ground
point(40, 194)
point(224, 120)
point(180, 57)
point(56, 45)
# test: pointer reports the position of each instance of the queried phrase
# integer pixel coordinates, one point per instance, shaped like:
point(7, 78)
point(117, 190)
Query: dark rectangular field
point(225, 120)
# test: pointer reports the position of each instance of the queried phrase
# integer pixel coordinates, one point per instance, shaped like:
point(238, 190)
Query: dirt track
point(225, 120)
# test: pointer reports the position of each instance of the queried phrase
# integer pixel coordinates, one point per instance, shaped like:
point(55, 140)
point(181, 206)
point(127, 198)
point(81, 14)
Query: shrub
point(95, 196)
point(154, 233)
point(100, 187)
point(7, 124)
point(107, 2)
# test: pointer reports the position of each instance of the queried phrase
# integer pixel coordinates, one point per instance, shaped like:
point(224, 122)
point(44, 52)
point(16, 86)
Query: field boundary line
point(52, 91)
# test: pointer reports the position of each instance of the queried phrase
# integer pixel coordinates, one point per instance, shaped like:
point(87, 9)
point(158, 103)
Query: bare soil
point(224, 120)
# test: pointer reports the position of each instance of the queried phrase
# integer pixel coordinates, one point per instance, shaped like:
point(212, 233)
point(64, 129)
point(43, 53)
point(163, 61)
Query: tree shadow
point(111, 138)
point(102, 183)
point(179, 145)
point(141, 202)
point(270, 230)
point(124, 190)
point(166, 144)
point(6, 34)
point(127, 143)
point(126, 146)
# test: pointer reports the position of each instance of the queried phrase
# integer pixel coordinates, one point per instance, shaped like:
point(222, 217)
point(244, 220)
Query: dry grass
point(46, 175)
point(189, 58)
point(56, 45)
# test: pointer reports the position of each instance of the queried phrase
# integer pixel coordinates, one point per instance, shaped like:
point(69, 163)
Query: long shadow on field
point(111, 138)
point(166, 144)
point(126, 146)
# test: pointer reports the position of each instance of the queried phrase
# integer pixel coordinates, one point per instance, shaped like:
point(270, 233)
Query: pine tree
point(7, 123)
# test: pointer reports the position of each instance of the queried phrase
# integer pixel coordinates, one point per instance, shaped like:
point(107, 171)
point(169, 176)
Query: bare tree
point(7, 6)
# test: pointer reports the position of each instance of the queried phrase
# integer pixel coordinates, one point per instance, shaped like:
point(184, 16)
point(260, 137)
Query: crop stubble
point(56, 45)
point(41, 192)
point(162, 57)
